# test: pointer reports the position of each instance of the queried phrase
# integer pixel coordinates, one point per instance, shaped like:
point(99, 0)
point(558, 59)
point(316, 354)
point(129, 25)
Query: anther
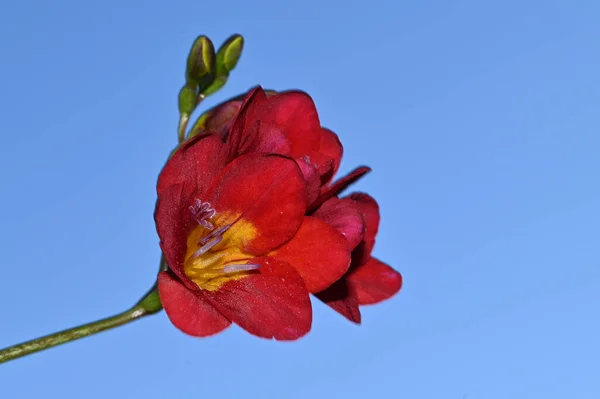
point(215, 233)
point(240, 268)
point(206, 247)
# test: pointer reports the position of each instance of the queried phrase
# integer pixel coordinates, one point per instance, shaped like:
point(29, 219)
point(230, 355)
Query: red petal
point(268, 139)
point(323, 163)
point(246, 123)
point(345, 216)
point(370, 213)
point(196, 162)
point(273, 303)
point(342, 298)
point(317, 169)
point(331, 146)
point(189, 311)
point(173, 222)
point(295, 113)
point(370, 210)
point(323, 166)
point(318, 252)
point(254, 130)
point(266, 190)
point(340, 185)
point(374, 282)
point(311, 177)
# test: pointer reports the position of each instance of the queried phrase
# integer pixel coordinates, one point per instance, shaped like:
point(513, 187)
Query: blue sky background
point(480, 120)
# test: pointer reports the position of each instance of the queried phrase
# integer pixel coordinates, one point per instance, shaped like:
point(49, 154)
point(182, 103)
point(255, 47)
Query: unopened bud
point(226, 60)
point(201, 63)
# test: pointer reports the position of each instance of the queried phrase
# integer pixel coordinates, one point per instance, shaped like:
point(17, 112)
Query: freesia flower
point(238, 244)
point(287, 123)
point(369, 280)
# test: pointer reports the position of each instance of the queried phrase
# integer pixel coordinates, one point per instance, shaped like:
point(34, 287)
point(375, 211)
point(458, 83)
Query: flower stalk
point(149, 304)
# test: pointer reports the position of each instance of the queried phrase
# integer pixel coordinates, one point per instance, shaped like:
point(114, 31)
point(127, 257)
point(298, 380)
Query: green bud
point(201, 63)
point(227, 58)
point(230, 52)
point(187, 99)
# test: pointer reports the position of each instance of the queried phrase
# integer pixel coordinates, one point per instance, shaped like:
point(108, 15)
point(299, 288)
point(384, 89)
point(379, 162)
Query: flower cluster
point(250, 222)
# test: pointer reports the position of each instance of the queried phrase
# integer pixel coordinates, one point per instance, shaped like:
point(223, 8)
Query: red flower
point(238, 244)
point(368, 281)
point(235, 214)
point(288, 123)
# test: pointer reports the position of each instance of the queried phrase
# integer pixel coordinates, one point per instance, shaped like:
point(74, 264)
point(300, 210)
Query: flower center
point(215, 248)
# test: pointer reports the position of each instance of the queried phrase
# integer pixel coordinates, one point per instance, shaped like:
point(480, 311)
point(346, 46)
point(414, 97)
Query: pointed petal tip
point(340, 185)
point(341, 297)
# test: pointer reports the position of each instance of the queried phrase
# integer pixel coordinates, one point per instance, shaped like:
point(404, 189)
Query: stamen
point(206, 224)
point(202, 212)
point(215, 233)
point(240, 268)
point(206, 247)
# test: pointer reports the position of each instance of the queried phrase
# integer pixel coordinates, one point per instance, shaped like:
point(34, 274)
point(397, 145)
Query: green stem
point(183, 122)
point(184, 119)
point(148, 305)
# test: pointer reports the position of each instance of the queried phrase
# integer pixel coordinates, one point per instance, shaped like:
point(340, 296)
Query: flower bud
point(230, 52)
point(201, 63)
point(227, 58)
